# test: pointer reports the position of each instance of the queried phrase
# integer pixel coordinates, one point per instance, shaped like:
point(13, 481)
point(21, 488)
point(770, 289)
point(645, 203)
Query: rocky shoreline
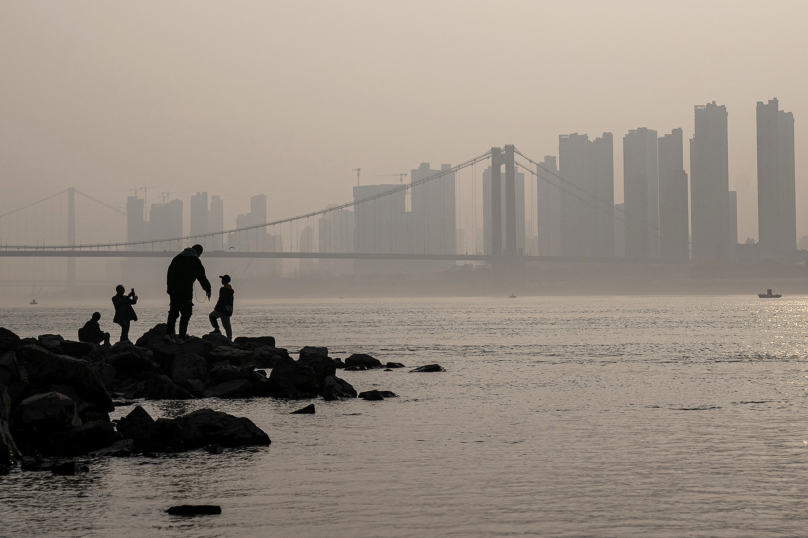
point(56, 394)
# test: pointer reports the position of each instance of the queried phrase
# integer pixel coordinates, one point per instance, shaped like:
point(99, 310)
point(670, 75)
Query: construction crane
point(399, 176)
point(357, 170)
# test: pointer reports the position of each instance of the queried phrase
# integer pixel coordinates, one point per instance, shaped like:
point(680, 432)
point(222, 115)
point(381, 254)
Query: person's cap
point(225, 279)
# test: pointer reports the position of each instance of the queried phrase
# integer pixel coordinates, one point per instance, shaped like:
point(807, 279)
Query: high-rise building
point(335, 234)
point(777, 213)
point(380, 227)
point(733, 221)
point(136, 227)
point(709, 184)
point(587, 202)
point(520, 212)
point(165, 221)
point(549, 208)
point(641, 193)
point(216, 221)
point(432, 215)
point(619, 230)
point(674, 221)
point(199, 218)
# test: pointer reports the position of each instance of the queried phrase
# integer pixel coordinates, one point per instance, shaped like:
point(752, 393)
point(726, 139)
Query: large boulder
point(322, 365)
point(267, 356)
point(206, 427)
point(45, 369)
point(335, 388)
point(362, 359)
point(308, 351)
point(77, 349)
point(187, 366)
point(298, 375)
point(9, 454)
point(233, 356)
point(150, 435)
point(130, 366)
point(429, 368)
point(237, 388)
point(6, 333)
point(51, 342)
point(118, 449)
point(9, 368)
point(49, 411)
point(225, 373)
point(252, 342)
point(160, 387)
point(152, 337)
point(106, 372)
point(90, 436)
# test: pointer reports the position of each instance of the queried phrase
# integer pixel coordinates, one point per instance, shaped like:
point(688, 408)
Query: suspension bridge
point(383, 228)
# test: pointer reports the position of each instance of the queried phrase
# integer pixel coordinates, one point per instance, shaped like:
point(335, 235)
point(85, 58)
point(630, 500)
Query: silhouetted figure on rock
point(92, 333)
point(185, 269)
point(124, 313)
point(223, 308)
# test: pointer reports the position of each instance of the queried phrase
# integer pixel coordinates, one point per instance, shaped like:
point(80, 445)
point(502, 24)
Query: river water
point(641, 416)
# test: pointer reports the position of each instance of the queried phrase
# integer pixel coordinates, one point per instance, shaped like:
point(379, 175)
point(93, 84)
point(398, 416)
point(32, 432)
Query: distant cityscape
point(663, 217)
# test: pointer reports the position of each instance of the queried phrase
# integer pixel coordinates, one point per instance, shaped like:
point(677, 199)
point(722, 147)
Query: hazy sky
point(285, 98)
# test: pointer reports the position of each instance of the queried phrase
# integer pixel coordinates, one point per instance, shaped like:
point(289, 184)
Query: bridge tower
point(71, 234)
point(498, 158)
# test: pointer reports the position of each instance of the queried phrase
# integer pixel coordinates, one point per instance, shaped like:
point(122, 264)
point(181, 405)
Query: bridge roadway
point(296, 255)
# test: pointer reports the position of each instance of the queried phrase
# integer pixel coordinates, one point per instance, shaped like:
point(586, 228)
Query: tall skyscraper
point(380, 227)
point(136, 227)
point(432, 215)
point(674, 213)
point(165, 221)
point(549, 208)
point(587, 203)
point(733, 221)
point(520, 211)
point(709, 184)
point(199, 218)
point(216, 221)
point(777, 213)
point(641, 193)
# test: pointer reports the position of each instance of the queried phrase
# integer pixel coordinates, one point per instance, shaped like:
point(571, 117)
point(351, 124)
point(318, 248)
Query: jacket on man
point(123, 308)
point(225, 302)
point(184, 270)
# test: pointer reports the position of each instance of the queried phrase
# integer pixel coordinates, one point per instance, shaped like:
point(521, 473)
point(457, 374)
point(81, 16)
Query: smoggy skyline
point(286, 99)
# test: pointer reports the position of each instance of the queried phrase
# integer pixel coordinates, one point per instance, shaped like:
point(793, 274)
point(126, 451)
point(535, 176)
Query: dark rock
point(51, 342)
point(361, 359)
point(91, 415)
point(166, 352)
point(187, 366)
point(277, 388)
point(45, 368)
point(152, 337)
point(77, 349)
point(223, 374)
point(388, 370)
point(89, 437)
point(267, 357)
point(160, 387)
point(217, 340)
point(253, 342)
point(372, 395)
point(194, 510)
point(356, 368)
point(322, 365)
point(70, 468)
point(49, 411)
point(4, 470)
point(36, 464)
point(335, 388)
point(9, 369)
point(237, 388)
point(214, 449)
point(131, 366)
point(5, 333)
point(288, 372)
point(308, 351)
point(395, 365)
point(106, 372)
point(193, 386)
point(206, 427)
point(118, 449)
point(308, 410)
point(9, 453)
point(338, 363)
point(151, 435)
point(429, 368)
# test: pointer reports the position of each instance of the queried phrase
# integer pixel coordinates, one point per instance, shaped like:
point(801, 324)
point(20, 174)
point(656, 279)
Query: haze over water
point(660, 416)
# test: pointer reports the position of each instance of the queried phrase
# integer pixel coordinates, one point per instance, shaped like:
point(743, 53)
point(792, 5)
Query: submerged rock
point(118, 449)
point(429, 368)
point(206, 427)
point(356, 368)
point(160, 387)
point(9, 453)
point(395, 365)
point(362, 359)
point(335, 388)
point(237, 388)
point(70, 468)
point(194, 510)
point(376, 395)
point(214, 449)
point(308, 410)
point(297, 375)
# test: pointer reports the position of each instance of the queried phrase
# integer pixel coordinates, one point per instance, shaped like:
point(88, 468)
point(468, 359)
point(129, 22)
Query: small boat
point(511, 296)
point(33, 301)
point(769, 295)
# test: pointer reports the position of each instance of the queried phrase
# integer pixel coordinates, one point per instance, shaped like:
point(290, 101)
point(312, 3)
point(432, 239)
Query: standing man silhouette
point(185, 269)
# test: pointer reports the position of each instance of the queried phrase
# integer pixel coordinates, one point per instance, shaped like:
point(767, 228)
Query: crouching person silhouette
point(92, 333)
